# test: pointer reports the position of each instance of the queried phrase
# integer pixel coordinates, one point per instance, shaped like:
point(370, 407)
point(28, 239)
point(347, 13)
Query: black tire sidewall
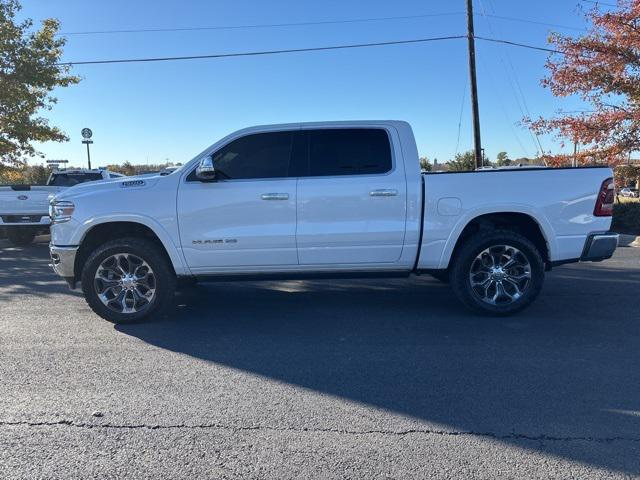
point(468, 253)
point(150, 253)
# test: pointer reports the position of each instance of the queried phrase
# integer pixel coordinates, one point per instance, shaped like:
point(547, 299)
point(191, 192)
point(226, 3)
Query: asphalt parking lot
point(322, 379)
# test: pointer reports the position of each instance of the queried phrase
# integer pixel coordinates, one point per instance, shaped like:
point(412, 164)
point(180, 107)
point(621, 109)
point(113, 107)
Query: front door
point(247, 216)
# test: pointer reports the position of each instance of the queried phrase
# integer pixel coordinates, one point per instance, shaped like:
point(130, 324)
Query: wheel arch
point(104, 231)
point(525, 222)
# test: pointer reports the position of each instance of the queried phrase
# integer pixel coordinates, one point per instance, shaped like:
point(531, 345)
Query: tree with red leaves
point(603, 69)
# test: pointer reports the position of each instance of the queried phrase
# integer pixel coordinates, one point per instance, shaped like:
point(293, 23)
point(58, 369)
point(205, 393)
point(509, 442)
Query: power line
point(464, 97)
point(600, 3)
point(302, 50)
point(517, 44)
point(262, 52)
point(259, 25)
point(534, 22)
point(493, 83)
point(523, 107)
point(300, 24)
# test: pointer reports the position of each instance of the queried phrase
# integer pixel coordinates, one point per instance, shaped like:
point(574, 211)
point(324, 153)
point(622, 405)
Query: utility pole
point(477, 144)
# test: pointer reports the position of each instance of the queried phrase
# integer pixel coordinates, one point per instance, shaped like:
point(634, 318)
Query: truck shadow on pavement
point(562, 378)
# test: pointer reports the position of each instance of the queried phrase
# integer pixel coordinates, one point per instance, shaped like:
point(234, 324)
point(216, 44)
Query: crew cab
point(329, 199)
point(24, 209)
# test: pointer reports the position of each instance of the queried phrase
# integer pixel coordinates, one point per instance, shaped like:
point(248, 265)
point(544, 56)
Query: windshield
point(71, 179)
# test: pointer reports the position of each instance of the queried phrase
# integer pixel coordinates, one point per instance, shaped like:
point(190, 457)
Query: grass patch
point(626, 216)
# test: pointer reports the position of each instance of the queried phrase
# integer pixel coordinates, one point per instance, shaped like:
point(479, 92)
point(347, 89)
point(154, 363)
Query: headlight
point(61, 211)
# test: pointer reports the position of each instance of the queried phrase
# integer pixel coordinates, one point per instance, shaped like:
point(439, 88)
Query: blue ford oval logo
point(22, 197)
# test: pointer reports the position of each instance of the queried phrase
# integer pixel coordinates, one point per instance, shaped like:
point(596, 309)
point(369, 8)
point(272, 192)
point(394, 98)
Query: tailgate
point(25, 200)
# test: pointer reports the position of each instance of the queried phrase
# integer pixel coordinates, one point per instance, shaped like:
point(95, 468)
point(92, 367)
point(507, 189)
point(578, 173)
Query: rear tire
point(482, 284)
point(20, 238)
point(127, 280)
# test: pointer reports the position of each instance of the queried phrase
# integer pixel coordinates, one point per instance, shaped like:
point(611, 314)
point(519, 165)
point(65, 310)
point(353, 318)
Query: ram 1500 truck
point(24, 209)
point(327, 200)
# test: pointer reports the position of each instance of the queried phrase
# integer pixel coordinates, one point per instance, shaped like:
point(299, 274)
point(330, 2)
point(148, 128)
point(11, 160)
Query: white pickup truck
point(327, 200)
point(24, 209)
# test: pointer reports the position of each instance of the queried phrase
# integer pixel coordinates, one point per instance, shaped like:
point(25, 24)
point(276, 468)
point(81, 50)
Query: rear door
point(351, 198)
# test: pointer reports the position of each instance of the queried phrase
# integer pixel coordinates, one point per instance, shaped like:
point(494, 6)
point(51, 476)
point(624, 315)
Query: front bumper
point(599, 246)
point(28, 219)
point(32, 223)
point(63, 261)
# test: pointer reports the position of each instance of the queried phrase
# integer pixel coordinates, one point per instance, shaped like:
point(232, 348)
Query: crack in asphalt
point(400, 433)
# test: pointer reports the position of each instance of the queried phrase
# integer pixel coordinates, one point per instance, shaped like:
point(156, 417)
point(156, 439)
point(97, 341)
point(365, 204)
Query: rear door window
point(348, 151)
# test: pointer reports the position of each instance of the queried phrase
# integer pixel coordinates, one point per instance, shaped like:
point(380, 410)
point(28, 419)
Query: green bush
point(626, 218)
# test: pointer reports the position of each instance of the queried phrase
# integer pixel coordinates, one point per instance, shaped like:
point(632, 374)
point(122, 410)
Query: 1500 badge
point(133, 183)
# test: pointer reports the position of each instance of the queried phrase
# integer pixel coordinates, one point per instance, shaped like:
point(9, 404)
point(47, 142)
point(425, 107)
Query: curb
point(629, 241)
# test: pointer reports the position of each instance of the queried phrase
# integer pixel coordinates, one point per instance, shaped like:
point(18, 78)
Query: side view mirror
point(206, 171)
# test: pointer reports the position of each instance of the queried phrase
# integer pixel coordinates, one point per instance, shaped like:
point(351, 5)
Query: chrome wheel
point(125, 283)
point(500, 275)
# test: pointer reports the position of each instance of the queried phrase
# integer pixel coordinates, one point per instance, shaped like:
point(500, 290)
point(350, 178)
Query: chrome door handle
point(275, 196)
point(383, 193)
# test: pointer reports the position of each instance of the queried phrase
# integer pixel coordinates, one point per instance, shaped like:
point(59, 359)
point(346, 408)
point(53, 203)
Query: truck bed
point(560, 200)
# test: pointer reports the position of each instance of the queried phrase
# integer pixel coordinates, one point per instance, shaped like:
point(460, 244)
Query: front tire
point(129, 279)
point(497, 272)
point(21, 238)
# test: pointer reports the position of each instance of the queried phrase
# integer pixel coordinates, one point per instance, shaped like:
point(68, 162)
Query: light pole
point(86, 135)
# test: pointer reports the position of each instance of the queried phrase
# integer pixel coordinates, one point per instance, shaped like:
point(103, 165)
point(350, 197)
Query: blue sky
point(154, 112)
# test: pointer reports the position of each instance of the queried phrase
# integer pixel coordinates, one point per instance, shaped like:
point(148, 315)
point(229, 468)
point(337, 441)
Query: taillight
point(604, 202)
